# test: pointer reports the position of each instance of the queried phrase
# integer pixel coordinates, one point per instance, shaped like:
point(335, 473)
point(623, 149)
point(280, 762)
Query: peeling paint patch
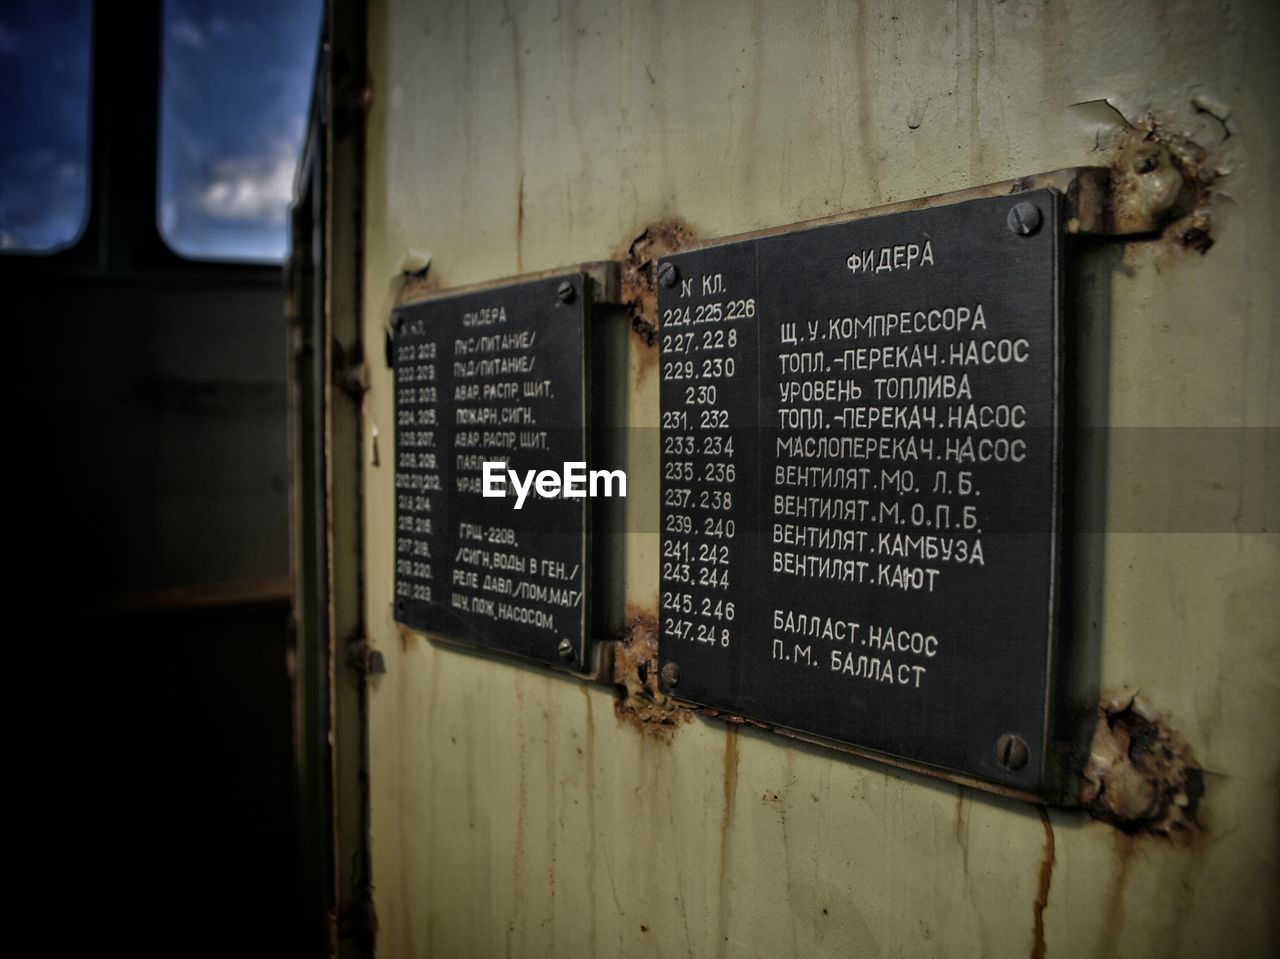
point(1218, 109)
point(1163, 182)
point(1141, 775)
point(635, 670)
point(640, 273)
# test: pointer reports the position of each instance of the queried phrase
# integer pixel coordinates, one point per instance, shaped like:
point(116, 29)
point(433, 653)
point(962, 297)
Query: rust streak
point(962, 826)
point(1047, 862)
point(520, 226)
point(522, 807)
point(726, 826)
point(1113, 918)
point(589, 762)
point(409, 640)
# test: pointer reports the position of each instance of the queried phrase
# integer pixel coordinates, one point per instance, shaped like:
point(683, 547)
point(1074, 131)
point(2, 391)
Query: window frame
point(121, 237)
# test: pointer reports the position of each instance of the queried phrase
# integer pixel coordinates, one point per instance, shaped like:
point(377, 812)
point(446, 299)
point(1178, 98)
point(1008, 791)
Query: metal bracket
point(350, 372)
point(1131, 199)
point(364, 658)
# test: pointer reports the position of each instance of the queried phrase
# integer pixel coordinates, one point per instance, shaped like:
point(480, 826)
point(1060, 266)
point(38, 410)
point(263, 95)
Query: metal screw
point(566, 292)
point(566, 649)
point(1145, 162)
point(1024, 218)
point(399, 605)
point(670, 674)
point(1011, 751)
point(668, 274)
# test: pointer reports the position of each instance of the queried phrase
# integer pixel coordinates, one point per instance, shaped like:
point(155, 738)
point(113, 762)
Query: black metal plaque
point(492, 376)
point(860, 435)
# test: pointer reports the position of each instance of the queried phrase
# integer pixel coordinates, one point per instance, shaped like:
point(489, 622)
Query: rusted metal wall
point(519, 813)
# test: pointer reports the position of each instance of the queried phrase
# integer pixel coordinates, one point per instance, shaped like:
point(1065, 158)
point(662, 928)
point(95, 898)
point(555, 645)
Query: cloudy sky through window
point(235, 92)
point(44, 122)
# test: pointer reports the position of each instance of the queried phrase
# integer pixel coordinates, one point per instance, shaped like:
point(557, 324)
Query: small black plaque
point(492, 375)
point(860, 435)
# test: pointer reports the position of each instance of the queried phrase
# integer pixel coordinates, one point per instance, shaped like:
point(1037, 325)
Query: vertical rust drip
point(1113, 919)
point(726, 826)
point(520, 226)
point(1047, 861)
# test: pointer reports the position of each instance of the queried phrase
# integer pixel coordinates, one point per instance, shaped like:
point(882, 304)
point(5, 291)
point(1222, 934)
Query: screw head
point(670, 673)
point(668, 274)
point(1012, 751)
point(566, 292)
point(399, 605)
point(1145, 162)
point(1024, 218)
point(565, 649)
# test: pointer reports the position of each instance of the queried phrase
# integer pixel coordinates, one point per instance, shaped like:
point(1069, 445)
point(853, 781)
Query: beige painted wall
point(512, 813)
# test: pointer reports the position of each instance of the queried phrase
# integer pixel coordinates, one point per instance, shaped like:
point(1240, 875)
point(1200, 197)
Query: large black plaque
point(860, 436)
point(493, 375)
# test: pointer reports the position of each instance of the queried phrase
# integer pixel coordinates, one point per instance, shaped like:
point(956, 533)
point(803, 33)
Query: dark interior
point(153, 540)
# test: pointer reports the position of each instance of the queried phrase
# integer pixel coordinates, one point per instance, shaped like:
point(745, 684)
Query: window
point(44, 123)
point(235, 94)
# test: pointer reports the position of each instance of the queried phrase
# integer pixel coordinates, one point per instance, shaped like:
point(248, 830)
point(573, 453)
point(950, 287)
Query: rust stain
point(1142, 776)
point(1047, 862)
point(409, 640)
point(1113, 918)
point(418, 285)
point(1163, 182)
point(726, 827)
point(520, 226)
point(590, 814)
point(734, 719)
point(635, 670)
point(522, 809)
point(591, 740)
point(962, 825)
point(640, 275)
